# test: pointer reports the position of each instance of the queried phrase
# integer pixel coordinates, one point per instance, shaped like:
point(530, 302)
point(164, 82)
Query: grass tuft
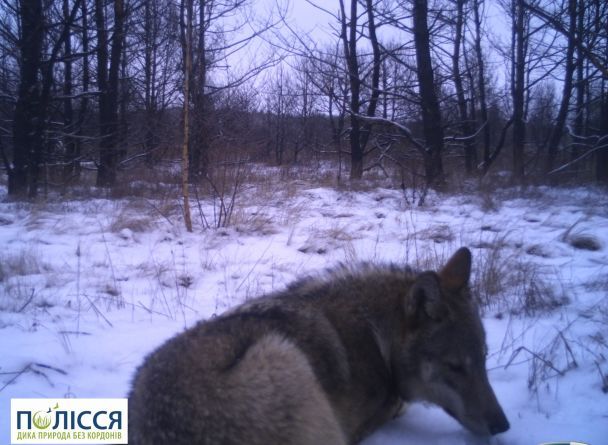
point(584, 242)
point(509, 283)
point(21, 263)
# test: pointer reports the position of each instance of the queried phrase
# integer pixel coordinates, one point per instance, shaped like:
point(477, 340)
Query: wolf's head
point(441, 357)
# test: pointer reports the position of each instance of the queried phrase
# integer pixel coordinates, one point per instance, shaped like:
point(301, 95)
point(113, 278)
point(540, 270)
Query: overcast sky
point(308, 20)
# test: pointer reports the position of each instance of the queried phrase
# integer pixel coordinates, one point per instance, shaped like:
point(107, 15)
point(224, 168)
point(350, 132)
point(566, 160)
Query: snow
point(89, 287)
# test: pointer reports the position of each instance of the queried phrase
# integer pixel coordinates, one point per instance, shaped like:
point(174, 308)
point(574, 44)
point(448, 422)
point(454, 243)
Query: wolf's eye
point(456, 368)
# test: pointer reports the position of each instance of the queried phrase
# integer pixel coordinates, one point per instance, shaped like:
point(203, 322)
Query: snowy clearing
point(89, 287)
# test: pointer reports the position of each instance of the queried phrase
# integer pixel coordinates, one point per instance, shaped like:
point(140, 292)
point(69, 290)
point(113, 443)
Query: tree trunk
point(123, 97)
point(68, 110)
point(108, 85)
point(601, 162)
point(349, 39)
point(150, 31)
point(84, 102)
point(518, 90)
point(200, 101)
point(579, 131)
point(187, 42)
point(376, 63)
point(431, 115)
point(27, 137)
point(481, 85)
point(470, 155)
point(560, 122)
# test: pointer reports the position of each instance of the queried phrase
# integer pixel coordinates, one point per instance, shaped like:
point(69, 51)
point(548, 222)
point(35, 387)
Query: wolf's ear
point(425, 297)
point(456, 273)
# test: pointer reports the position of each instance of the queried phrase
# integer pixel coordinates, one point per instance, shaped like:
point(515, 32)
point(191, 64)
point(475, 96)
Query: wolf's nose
point(499, 427)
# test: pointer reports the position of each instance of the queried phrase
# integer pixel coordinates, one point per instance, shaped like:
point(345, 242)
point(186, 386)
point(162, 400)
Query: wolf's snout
point(499, 425)
point(495, 418)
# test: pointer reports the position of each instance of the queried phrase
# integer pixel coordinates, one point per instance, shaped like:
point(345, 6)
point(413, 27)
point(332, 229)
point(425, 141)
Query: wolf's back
point(234, 380)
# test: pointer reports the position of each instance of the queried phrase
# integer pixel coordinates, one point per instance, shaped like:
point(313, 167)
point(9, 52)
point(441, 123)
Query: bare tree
point(280, 101)
point(360, 129)
point(518, 87)
point(349, 40)
point(431, 114)
point(39, 49)
point(488, 157)
point(187, 13)
point(68, 110)
point(214, 44)
point(325, 71)
point(156, 72)
point(27, 128)
point(305, 104)
point(109, 51)
point(75, 134)
point(558, 129)
point(582, 25)
point(470, 153)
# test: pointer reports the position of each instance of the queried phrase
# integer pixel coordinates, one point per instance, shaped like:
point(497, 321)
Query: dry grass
point(256, 220)
point(22, 275)
point(598, 284)
point(510, 283)
point(439, 234)
point(579, 239)
point(132, 216)
point(489, 274)
point(565, 349)
point(21, 263)
point(142, 181)
point(553, 360)
point(503, 281)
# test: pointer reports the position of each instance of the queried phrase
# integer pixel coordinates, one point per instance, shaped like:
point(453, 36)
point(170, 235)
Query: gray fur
point(327, 361)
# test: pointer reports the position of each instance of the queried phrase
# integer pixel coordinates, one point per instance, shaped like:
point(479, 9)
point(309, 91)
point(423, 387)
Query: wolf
point(326, 361)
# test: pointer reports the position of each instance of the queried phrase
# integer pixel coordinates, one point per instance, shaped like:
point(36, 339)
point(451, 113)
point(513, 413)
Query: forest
point(426, 92)
point(164, 161)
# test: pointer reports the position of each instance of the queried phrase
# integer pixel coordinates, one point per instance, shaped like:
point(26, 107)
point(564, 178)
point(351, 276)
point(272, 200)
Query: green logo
point(41, 420)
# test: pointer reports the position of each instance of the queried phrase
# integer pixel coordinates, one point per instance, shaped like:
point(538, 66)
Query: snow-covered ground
point(89, 287)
